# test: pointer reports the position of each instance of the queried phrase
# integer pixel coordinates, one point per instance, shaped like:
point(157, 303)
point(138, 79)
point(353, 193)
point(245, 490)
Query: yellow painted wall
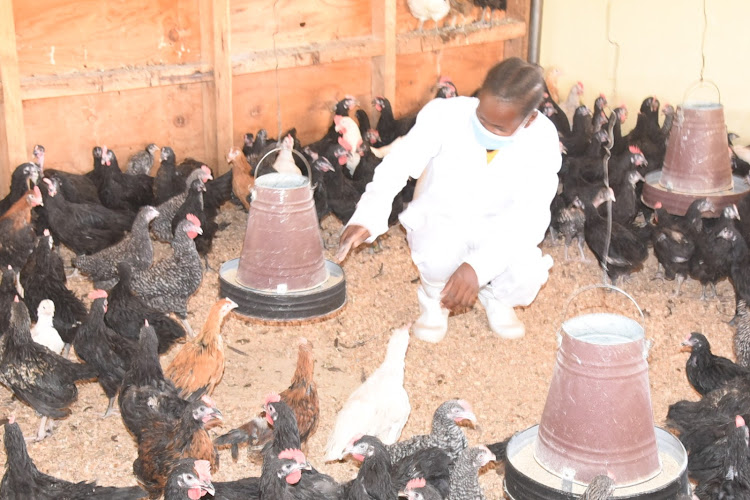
point(660, 52)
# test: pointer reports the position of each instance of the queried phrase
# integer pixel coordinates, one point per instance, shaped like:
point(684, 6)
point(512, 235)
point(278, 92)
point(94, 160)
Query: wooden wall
point(197, 74)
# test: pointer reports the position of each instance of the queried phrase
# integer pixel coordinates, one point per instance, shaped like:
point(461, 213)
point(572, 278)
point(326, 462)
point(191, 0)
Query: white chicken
point(574, 99)
point(44, 332)
point(351, 140)
point(380, 406)
point(284, 163)
point(429, 9)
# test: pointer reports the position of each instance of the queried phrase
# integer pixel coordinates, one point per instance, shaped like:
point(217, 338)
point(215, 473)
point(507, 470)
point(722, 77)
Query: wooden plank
point(306, 99)
point(414, 42)
point(222, 65)
point(13, 125)
point(518, 47)
point(418, 74)
point(384, 65)
point(208, 89)
point(257, 24)
point(63, 36)
point(70, 126)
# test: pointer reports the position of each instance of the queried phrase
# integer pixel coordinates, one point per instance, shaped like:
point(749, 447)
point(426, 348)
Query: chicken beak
point(208, 487)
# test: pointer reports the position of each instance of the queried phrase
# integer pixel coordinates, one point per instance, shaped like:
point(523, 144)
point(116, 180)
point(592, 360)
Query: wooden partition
point(197, 74)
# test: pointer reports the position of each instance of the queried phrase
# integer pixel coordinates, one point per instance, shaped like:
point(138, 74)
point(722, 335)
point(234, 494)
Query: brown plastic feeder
point(697, 162)
point(281, 273)
point(597, 419)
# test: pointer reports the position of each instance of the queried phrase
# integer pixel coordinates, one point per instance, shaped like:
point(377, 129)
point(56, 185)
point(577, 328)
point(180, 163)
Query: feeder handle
point(599, 285)
point(699, 84)
point(279, 148)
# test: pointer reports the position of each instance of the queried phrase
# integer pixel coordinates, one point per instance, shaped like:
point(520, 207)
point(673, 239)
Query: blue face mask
point(491, 141)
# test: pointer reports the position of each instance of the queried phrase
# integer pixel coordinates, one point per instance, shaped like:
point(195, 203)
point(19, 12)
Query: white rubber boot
point(432, 324)
point(502, 318)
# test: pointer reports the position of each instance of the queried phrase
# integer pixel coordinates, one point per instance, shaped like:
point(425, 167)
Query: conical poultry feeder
point(597, 420)
point(697, 163)
point(281, 274)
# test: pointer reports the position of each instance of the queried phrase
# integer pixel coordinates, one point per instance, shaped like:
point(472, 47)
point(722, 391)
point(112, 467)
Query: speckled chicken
point(164, 443)
point(136, 249)
point(302, 398)
point(43, 277)
point(570, 222)
point(168, 284)
point(23, 481)
point(162, 224)
point(602, 487)
point(17, 236)
point(446, 433)
point(35, 375)
point(8, 292)
point(141, 162)
point(380, 406)
point(199, 365)
point(104, 349)
point(742, 335)
point(706, 371)
point(464, 482)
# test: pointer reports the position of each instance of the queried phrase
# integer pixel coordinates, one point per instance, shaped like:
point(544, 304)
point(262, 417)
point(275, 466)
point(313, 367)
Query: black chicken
point(76, 188)
point(85, 228)
point(418, 489)
point(167, 182)
point(23, 481)
point(7, 293)
point(711, 261)
point(195, 204)
point(446, 433)
point(723, 465)
point(120, 191)
point(282, 475)
point(388, 127)
point(341, 195)
point(163, 225)
point(577, 142)
point(136, 249)
point(43, 277)
point(104, 349)
point(626, 252)
point(192, 479)
point(673, 245)
point(647, 134)
point(24, 177)
point(739, 271)
point(126, 313)
point(706, 371)
point(570, 222)
point(36, 375)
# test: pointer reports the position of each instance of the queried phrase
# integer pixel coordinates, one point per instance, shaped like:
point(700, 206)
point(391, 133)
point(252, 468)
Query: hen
point(23, 481)
point(570, 222)
point(418, 489)
point(127, 312)
point(301, 396)
point(120, 191)
point(140, 163)
point(445, 434)
point(102, 348)
point(146, 396)
point(167, 182)
point(465, 473)
point(164, 443)
point(742, 335)
point(711, 260)
point(429, 9)
point(76, 188)
point(706, 371)
point(168, 284)
point(673, 245)
point(17, 236)
point(43, 277)
point(8, 292)
point(724, 460)
point(136, 249)
point(162, 226)
point(285, 163)
point(195, 205)
point(281, 476)
point(199, 365)
point(37, 376)
point(24, 177)
point(388, 127)
point(44, 332)
point(380, 406)
point(739, 262)
point(242, 179)
point(192, 479)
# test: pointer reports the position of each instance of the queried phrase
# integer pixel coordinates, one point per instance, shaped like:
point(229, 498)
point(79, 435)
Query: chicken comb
point(97, 294)
point(46, 232)
point(356, 438)
point(293, 454)
point(193, 219)
point(343, 142)
point(445, 79)
point(203, 468)
point(274, 397)
point(38, 193)
point(635, 150)
point(739, 421)
point(16, 299)
point(601, 94)
point(658, 205)
point(11, 419)
point(415, 484)
point(206, 171)
point(208, 401)
point(145, 323)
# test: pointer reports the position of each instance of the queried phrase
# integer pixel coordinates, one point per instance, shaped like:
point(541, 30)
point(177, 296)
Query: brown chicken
point(199, 366)
point(242, 179)
point(165, 442)
point(301, 396)
point(17, 237)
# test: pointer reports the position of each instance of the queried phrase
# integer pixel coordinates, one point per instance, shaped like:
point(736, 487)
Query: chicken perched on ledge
point(429, 9)
point(199, 365)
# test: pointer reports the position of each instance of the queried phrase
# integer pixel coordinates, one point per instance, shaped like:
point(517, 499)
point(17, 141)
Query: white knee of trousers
point(520, 283)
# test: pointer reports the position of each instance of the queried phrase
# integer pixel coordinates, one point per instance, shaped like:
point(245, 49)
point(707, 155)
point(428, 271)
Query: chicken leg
point(45, 428)
point(110, 408)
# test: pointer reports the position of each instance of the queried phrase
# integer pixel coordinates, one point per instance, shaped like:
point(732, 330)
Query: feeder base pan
point(320, 301)
point(526, 479)
point(677, 203)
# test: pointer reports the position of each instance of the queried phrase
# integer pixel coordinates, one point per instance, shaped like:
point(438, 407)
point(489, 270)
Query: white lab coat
point(491, 216)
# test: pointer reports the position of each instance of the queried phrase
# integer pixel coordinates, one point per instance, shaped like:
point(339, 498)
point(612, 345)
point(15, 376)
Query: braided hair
point(515, 80)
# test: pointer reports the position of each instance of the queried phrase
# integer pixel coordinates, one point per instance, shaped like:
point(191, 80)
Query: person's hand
point(352, 237)
point(462, 288)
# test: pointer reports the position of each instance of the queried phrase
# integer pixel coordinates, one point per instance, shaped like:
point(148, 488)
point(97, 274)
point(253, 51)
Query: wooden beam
point(223, 80)
point(384, 64)
point(414, 41)
point(15, 134)
point(208, 97)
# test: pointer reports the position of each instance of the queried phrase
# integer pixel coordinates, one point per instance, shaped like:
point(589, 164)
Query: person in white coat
point(487, 173)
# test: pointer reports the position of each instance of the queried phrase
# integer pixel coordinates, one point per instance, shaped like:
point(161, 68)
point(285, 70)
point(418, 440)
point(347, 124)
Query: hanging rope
point(276, 71)
point(703, 41)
